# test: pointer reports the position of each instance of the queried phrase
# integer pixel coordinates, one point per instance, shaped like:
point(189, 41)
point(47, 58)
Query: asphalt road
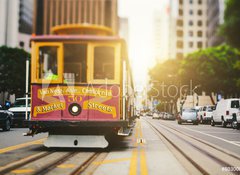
point(15, 137)
point(144, 152)
point(226, 138)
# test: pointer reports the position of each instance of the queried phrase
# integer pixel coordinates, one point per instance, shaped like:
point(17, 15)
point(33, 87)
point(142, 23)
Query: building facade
point(215, 14)
point(50, 13)
point(16, 23)
point(191, 28)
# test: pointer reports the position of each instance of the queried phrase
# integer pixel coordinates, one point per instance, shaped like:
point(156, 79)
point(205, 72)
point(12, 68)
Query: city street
point(154, 147)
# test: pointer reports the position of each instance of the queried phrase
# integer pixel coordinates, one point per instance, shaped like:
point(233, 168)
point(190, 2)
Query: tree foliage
point(215, 69)
point(231, 26)
point(13, 70)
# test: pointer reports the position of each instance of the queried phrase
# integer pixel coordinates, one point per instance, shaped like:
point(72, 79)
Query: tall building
point(16, 23)
point(215, 14)
point(49, 13)
point(191, 26)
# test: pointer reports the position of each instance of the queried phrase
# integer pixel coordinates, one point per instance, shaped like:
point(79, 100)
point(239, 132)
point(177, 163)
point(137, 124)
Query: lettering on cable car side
point(106, 109)
point(52, 96)
point(49, 108)
point(57, 91)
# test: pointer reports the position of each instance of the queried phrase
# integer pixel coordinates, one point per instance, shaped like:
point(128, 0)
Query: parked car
point(236, 120)
point(188, 116)
point(155, 116)
point(225, 112)
point(205, 113)
point(168, 116)
point(5, 119)
point(19, 111)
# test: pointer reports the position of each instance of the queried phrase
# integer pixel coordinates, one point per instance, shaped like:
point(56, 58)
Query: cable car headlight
point(74, 109)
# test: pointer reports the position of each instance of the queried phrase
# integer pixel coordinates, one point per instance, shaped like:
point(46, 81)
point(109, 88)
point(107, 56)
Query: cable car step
point(124, 131)
point(76, 141)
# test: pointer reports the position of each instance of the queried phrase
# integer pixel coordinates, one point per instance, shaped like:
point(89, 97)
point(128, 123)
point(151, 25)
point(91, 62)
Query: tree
point(216, 69)
point(13, 70)
point(165, 82)
point(231, 26)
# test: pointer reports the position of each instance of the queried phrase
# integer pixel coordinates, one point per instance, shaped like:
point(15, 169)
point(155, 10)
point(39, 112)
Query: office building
point(50, 13)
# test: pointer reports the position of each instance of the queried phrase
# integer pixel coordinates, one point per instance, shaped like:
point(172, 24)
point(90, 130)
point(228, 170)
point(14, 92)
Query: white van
point(19, 111)
point(225, 111)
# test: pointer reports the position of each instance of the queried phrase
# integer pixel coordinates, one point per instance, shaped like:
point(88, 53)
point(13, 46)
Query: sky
point(141, 48)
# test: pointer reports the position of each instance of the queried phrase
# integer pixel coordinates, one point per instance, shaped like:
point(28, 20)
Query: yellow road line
point(133, 164)
point(143, 163)
point(11, 148)
point(111, 161)
point(66, 166)
point(22, 171)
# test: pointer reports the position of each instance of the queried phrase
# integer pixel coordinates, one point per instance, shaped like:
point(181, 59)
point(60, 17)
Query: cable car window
point(48, 62)
point(104, 62)
point(75, 63)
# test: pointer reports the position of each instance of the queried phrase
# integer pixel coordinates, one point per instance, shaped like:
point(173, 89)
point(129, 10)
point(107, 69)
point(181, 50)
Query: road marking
point(213, 136)
point(21, 171)
point(143, 162)
point(11, 148)
point(111, 161)
point(65, 166)
point(220, 132)
point(133, 164)
point(139, 150)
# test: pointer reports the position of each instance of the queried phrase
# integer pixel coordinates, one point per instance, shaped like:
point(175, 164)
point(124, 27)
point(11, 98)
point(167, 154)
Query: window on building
point(103, 62)
point(191, 1)
point(199, 12)
point(179, 22)
point(180, 2)
point(199, 2)
point(179, 44)
point(180, 11)
point(199, 44)
point(179, 33)
point(199, 33)
point(190, 44)
point(191, 12)
point(190, 33)
point(199, 23)
point(190, 23)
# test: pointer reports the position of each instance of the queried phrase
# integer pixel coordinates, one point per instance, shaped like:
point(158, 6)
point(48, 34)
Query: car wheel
point(224, 124)
point(7, 125)
point(212, 122)
point(195, 123)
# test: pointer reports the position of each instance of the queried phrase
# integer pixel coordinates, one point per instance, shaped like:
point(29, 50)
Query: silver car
point(188, 116)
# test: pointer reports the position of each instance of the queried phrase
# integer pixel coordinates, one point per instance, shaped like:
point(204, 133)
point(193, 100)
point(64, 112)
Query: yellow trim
point(69, 29)
point(35, 62)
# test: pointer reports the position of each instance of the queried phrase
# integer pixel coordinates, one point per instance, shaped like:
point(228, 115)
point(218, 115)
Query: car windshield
point(189, 110)
point(21, 103)
point(210, 108)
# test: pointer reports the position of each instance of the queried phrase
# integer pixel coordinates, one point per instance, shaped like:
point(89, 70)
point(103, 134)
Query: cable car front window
point(75, 67)
point(104, 62)
point(48, 63)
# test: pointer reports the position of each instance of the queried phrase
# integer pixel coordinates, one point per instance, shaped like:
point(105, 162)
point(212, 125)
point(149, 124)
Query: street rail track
point(180, 135)
point(82, 167)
